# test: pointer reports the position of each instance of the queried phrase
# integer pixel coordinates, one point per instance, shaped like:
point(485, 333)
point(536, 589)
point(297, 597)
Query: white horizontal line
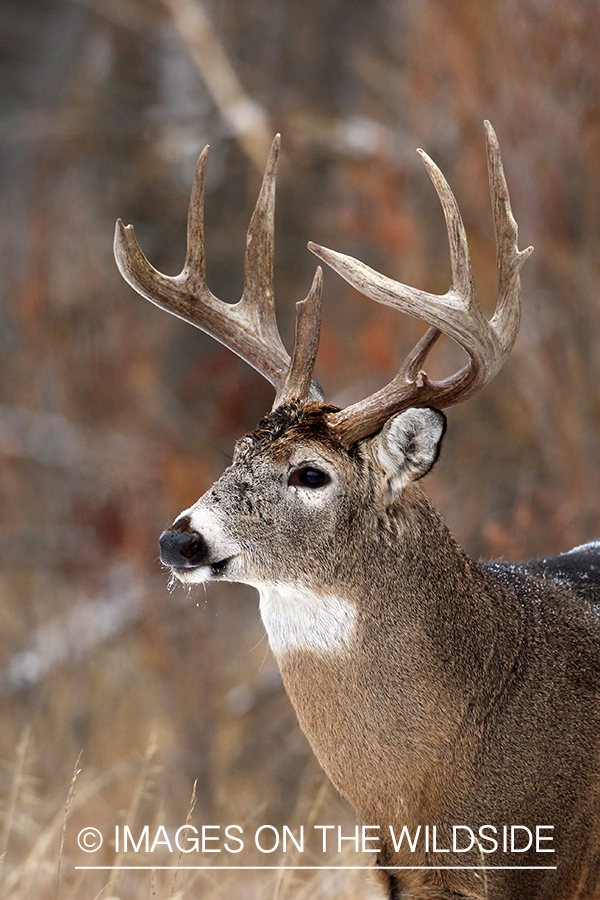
point(217, 868)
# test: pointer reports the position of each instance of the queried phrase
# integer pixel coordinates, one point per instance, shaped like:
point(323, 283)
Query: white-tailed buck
point(434, 690)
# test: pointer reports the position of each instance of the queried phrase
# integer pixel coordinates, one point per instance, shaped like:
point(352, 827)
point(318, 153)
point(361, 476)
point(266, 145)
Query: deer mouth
point(218, 568)
point(201, 573)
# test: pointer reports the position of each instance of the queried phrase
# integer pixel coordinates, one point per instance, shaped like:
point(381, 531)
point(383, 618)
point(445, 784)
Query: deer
point(434, 689)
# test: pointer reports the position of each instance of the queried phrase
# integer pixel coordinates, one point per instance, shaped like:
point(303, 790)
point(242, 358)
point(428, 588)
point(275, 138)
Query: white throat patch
point(295, 618)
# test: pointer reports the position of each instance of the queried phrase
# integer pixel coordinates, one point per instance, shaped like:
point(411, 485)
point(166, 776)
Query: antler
point(456, 313)
point(249, 327)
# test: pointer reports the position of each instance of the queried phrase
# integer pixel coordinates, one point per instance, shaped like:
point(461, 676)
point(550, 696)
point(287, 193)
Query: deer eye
point(308, 476)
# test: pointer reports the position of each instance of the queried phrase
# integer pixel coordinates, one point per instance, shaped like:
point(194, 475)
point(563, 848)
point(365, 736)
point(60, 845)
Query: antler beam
point(456, 313)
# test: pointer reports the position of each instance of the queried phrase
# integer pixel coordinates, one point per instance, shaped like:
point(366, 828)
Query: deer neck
point(382, 670)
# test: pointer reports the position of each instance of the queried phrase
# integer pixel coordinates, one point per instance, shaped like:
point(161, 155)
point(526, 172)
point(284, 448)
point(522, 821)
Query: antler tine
point(169, 292)
point(456, 313)
point(194, 268)
point(299, 381)
point(461, 282)
point(249, 327)
point(258, 299)
point(509, 258)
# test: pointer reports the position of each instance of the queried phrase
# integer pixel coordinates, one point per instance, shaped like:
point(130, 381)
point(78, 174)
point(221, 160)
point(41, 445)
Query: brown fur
point(469, 692)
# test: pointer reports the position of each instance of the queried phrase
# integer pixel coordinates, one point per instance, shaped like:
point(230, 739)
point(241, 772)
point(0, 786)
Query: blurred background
point(115, 416)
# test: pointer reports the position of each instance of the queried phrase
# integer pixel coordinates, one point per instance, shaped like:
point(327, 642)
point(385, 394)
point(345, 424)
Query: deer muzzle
point(197, 548)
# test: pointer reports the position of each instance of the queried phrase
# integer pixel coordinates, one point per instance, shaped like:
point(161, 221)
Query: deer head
point(310, 470)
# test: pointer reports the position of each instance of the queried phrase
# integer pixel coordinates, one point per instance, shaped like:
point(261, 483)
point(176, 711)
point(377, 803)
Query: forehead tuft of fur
point(290, 423)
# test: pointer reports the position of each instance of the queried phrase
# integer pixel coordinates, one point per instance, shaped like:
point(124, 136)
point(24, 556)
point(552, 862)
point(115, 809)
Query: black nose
point(182, 549)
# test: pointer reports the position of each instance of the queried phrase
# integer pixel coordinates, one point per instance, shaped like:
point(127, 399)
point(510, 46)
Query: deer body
point(434, 690)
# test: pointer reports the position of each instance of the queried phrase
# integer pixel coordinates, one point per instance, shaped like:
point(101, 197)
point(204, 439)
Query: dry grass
point(41, 854)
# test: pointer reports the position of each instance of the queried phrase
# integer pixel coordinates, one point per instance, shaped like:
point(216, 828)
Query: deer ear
point(408, 445)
